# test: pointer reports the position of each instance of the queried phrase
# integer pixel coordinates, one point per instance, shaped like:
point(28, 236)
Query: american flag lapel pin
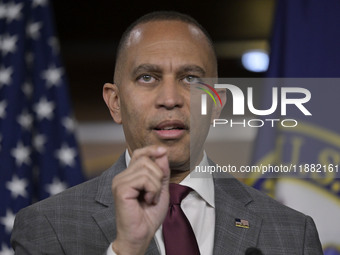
point(241, 223)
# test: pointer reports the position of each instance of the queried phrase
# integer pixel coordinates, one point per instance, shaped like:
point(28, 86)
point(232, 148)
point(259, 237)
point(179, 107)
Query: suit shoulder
point(79, 195)
point(264, 203)
point(58, 219)
point(256, 200)
point(85, 191)
point(83, 195)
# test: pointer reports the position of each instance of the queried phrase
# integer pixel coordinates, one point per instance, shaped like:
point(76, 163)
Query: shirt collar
point(203, 186)
point(127, 157)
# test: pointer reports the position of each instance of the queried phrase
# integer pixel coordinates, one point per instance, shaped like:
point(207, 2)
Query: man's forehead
point(170, 43)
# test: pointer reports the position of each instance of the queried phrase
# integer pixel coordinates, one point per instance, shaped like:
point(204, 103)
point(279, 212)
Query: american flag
point(38, 150)
point(241, 223)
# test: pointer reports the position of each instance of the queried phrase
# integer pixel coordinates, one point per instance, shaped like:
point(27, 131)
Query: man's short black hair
point(161, 16)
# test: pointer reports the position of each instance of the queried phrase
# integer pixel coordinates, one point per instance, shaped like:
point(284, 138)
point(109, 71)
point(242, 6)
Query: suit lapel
point(105, 217)
point(231, 200)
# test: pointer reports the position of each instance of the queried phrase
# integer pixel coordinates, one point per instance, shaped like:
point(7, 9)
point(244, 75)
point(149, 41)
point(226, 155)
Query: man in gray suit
point(121, 211)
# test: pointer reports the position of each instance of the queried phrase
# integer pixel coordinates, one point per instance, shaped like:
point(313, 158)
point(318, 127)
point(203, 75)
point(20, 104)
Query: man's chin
point(179, 166)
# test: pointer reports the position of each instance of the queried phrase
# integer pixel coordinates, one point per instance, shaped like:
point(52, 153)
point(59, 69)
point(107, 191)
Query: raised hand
point(141, 194)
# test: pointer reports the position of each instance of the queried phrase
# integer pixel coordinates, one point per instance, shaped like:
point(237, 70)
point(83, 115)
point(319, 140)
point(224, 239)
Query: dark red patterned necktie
point(179, 238)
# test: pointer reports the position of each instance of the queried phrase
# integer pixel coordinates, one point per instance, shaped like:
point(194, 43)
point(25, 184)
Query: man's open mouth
point(170, 125)
point(170, 129)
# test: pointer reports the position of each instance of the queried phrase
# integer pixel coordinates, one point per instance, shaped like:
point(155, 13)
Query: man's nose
point(170, 94)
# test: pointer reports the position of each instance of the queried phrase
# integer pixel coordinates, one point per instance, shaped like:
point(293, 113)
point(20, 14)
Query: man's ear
point(218, 108)
point(112, 100)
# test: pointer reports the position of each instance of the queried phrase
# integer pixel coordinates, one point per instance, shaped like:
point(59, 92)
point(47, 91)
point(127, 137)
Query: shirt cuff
point(110, 251)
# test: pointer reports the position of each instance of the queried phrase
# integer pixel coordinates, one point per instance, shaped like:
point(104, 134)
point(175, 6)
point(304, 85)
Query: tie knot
point(177, 193)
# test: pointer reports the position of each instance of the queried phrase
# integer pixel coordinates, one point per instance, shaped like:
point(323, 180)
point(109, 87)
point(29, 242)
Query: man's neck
point(178, 176)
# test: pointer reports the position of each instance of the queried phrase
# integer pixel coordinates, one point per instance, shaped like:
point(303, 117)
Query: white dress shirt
point(199, 208)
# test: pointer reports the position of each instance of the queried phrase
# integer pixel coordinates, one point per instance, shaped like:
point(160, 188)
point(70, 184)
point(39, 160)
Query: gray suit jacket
point(81, 221)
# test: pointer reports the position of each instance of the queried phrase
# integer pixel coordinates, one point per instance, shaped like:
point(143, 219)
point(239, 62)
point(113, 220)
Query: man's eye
point(145, 78)
point(191, 79)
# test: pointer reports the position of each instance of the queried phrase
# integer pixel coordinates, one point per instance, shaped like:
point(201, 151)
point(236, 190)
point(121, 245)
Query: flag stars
point(5, 75)
point(13, 11)
point(53, 76)
point(54, 44)
point(3, 105)
point(66, 155)
point(8, 44)
point(44, 109)
point(39, 3)
point(17, 187)
point(39, 142)
point(55, 187)
point(33, 30)
point(2, 10)
point(25, 120)
point(8, 221)
point(21, 154)
point(5, 250)
point(69, 124)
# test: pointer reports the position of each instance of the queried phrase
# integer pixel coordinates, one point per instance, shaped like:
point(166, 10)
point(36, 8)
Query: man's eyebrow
point(146, 68)
point(192, 69)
